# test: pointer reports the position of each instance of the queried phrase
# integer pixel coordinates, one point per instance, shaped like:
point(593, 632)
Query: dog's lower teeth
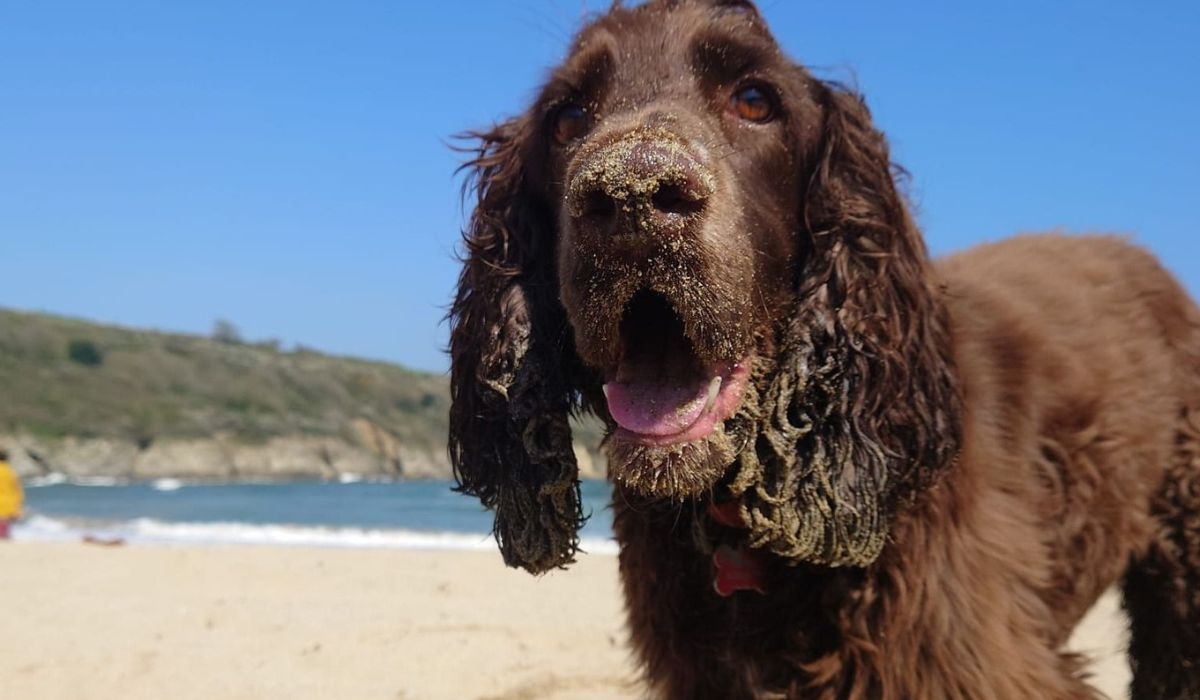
point(714, 388)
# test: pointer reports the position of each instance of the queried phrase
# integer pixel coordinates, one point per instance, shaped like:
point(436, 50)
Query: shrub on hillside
point(226, 332)
point(85, 352)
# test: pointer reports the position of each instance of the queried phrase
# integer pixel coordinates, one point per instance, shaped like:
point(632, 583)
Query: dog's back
point(1086, 350)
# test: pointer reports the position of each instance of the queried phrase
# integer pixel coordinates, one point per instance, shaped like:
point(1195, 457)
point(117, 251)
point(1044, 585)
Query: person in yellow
point(11, 496)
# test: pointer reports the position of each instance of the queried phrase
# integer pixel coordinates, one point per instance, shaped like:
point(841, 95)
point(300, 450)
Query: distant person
point(11, 496)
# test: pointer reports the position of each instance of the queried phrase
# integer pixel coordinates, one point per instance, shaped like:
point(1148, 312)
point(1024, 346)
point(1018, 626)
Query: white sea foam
point(171, 484)
point(51, 479)
point(56, 478)
point(40, 527)
point(98, 480)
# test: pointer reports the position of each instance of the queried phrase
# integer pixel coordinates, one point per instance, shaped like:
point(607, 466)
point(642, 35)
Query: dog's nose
point(641, 184)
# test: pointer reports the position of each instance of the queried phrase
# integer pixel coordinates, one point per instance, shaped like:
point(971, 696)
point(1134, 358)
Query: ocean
point(350, 513)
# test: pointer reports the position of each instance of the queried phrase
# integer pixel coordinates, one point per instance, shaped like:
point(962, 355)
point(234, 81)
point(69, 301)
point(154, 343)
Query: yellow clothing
point(11, 495)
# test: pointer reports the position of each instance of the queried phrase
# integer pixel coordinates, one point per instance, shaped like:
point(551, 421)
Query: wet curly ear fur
point(510, 441)
point(861, 403)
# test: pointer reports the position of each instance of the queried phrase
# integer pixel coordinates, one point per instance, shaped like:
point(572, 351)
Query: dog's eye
point(570, 122)
point(753, 103)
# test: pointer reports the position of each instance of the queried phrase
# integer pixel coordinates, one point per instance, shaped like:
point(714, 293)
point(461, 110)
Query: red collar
point(735, 568)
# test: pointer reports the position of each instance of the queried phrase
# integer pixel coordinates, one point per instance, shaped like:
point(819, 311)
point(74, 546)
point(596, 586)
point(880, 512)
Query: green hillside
point(62, 377)
point(97, 400)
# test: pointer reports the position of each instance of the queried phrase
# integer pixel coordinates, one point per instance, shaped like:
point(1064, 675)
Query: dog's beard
point(679, 471)
point(685, 470)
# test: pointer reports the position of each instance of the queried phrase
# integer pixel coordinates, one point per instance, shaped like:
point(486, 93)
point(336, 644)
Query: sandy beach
point(154, 621)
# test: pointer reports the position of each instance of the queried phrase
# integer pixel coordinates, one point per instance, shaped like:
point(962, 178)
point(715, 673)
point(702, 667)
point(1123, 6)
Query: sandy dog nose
point(639, 185)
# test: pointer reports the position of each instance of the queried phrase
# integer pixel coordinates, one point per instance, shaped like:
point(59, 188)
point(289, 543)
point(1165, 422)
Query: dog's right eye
point(570, 122)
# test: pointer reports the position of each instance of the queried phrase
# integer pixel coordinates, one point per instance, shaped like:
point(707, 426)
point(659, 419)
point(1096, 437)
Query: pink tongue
point(656, 409)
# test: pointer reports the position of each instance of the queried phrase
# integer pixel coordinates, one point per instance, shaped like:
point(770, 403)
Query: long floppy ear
point(865, 408)
point(510, 442)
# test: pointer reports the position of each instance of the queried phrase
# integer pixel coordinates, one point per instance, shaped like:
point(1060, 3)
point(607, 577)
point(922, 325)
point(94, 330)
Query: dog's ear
point(866, 404)
point(510, 441)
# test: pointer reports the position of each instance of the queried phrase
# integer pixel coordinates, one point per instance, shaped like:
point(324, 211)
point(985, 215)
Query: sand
point(154, 621)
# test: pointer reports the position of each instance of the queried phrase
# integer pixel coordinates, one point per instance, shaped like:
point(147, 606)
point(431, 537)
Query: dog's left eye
point(753, 103)
point(570, 122)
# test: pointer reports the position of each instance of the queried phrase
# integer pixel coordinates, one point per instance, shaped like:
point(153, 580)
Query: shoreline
point(147, 621)
point(151, 531)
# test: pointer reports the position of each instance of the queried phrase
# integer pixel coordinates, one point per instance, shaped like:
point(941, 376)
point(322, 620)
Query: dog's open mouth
point(661, 393)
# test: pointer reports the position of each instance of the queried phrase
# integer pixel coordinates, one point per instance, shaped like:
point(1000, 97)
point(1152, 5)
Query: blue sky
point(284, 164)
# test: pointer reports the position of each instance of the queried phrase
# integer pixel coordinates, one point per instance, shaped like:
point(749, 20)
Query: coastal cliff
point(91, 400)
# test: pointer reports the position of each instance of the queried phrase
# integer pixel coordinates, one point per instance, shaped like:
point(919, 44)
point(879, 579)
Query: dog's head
point(692, 237)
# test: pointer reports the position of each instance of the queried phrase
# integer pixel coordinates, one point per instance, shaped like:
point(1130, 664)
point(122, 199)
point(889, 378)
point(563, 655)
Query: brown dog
point(841, 470)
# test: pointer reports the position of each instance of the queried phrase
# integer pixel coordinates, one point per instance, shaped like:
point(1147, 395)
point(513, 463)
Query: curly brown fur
point(510, 442)
point(944, 464)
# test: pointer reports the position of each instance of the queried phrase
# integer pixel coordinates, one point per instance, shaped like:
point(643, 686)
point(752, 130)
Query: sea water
point(348, 513)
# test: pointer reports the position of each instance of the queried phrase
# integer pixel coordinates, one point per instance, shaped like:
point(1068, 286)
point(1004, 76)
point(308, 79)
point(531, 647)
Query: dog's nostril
point(598, 205)
point(673, 199)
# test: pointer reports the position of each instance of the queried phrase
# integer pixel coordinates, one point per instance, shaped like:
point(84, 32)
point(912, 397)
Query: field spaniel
point(841, 469)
